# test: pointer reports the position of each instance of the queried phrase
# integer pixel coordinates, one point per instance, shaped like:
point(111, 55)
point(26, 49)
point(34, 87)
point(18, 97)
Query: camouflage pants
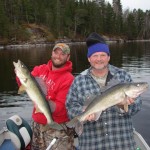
point(41, 139)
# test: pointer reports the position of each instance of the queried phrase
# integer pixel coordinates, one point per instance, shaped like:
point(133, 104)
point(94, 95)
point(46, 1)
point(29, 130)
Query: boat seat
point(20, 132)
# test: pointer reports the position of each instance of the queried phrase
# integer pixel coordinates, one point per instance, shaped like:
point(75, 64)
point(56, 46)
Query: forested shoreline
point(32, 21)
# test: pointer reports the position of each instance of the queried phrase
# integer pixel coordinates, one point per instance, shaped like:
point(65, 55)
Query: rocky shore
point(43, 44)
point(21, 46)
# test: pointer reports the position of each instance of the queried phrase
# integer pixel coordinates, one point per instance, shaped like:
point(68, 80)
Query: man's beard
point(56, 65)
point(100, 68)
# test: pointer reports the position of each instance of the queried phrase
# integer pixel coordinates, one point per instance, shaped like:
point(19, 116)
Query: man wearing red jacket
point(58, 78)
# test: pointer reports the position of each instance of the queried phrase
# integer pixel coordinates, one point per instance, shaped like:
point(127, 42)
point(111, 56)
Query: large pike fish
point(110, 97)
point(34, 91)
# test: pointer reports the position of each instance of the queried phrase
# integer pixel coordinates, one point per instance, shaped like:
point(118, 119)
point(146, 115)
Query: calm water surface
point(133, 57)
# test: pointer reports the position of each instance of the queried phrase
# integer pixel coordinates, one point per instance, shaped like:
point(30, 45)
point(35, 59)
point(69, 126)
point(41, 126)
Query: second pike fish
point(35, 93)
point(110, 97)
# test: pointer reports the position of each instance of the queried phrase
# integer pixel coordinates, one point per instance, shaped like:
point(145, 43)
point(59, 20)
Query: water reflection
point(12, 104)
point(133, 57)
point(11, 99)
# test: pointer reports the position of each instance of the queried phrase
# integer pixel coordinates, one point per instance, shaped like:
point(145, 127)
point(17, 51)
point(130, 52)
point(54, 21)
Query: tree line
point(73, 18)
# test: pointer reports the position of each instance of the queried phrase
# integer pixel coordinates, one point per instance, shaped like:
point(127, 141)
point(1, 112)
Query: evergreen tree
point(131, 32)
point(73, 17)
point(109, 20)
point(118, 16)
point(4, 21)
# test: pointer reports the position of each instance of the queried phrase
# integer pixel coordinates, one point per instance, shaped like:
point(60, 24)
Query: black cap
point(94, 38)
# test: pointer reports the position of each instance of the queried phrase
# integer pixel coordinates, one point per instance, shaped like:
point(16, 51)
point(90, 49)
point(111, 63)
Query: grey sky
point(131, 4)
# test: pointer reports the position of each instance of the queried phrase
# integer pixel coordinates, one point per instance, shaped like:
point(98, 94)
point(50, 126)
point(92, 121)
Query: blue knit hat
point(98, 47)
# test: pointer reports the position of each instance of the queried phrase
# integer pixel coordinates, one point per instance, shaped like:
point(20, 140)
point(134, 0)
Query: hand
point(124, 104)
point(128, 101)
point(37, 110)
point(91, 117)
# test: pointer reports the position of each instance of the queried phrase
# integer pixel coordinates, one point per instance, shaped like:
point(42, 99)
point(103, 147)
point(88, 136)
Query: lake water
point(133, 57)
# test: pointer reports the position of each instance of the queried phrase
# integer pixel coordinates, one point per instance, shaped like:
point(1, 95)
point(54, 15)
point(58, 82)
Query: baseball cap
point(64, 47)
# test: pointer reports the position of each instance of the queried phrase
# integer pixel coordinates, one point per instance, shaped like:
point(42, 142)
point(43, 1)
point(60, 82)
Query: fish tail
point(71, 123)
point(75, 123)
point(53, 125)
point(79, 128)
point(49, 121)
point(56, 126)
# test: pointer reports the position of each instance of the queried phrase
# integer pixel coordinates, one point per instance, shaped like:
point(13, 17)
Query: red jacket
point(58, 83)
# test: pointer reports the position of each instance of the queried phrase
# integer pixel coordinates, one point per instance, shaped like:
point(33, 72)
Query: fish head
point(21, 71)
point(133, 90)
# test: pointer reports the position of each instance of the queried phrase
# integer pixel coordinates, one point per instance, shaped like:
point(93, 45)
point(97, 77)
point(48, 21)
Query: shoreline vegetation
point(37, 23)
point(40, 36)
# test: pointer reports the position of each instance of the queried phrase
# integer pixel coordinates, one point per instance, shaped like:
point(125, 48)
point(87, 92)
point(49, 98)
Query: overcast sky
point(131, 4)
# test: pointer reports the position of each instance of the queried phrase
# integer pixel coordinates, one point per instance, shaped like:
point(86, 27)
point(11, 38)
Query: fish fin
point(71, 123)
point(22, 89)
point(126, 104)
point(79, 128)
point(126, 107)
point(42, 85)
point(56, 126)
point(112, 82)
point(53, 125)
point(75, 123)
point(52, 105)
point(97, 115)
